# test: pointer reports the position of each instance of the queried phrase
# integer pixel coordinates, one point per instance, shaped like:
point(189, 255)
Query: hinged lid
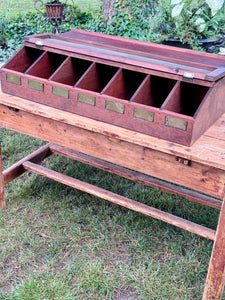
point(181, 64)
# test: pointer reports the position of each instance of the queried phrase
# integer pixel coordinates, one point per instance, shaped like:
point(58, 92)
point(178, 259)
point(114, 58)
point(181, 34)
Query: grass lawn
point(15, 7)
point(58, 243)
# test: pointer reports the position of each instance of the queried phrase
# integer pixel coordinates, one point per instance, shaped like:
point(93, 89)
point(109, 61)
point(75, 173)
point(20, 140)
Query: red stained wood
point(96, 77)
point(212, 105)
point(177, 111)
point(46, 65)
point(23, 59)
point(124, 84)
point(205, 61)
point(70, 65)
point(70, 71)
point(209, 60)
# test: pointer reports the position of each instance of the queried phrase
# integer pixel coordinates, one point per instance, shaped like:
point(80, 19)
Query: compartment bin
point(96, 77)
point(186, 98)
point(154, 91)
point(70, 71)
point(46, 65)
point(124, 84)
point(23, 59)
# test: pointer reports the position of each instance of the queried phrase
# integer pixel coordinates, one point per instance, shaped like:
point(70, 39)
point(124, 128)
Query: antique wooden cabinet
point(167, 92)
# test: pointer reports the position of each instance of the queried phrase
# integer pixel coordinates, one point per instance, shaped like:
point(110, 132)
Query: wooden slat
point(206, 150)
point(207, 59)
point(216, 272)
point(123, 201)
point(136, 176)
point(148, 55)
point(2, 194)
point(216, 74)
point(17, 169)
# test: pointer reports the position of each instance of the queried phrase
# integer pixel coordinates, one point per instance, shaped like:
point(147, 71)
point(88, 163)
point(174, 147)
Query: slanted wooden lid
point(166, 61)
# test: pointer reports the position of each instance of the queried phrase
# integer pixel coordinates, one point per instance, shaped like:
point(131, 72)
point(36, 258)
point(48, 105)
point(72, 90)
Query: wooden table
point(132, 155)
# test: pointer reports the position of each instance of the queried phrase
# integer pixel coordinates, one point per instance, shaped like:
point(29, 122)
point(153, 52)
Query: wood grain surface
point(209, 149)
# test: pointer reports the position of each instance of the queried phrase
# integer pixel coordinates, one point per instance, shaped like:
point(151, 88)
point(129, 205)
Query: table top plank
point(217, 131)
point(209, 149)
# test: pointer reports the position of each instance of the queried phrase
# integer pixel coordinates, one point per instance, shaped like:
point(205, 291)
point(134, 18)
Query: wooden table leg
point(216, 274)
point(2, 194)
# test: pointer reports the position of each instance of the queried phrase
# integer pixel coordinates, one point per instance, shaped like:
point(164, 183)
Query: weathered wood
point(145, 160)
point(2, 193)
point(208, 150)
point(17, 169)
point(138, 177)
point(216, 132)
point(216, 272)
point(71, 131)
point(123, 201)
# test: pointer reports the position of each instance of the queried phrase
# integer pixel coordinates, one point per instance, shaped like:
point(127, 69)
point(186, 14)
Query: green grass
point(60, 243)
point(15, 7)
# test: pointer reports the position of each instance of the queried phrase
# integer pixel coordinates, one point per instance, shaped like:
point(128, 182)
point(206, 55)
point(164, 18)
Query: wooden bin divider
point(172, 100)
point(70, 71)
point(48, 63)
point(95, 79)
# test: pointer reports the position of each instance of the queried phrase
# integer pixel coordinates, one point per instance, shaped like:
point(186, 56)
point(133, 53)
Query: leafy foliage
point(189, 20)
point(157, 21)
point(147, 20)
point(13, 30)
point(132, 19)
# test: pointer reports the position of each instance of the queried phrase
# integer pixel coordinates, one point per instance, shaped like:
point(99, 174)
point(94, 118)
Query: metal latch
point(39, 43)
point(188, 76)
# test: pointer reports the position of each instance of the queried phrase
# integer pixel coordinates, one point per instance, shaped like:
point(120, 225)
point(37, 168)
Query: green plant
point(6, 45)
point(131, 20)
point(189, 20)
point(14, 29)
point(3, 26)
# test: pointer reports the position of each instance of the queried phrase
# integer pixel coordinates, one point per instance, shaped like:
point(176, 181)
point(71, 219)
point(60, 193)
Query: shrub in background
point(148, 20)
point(189, 20)
point(15, 29)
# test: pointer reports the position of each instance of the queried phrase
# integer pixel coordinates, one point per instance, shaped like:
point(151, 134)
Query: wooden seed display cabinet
point(166, 92)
